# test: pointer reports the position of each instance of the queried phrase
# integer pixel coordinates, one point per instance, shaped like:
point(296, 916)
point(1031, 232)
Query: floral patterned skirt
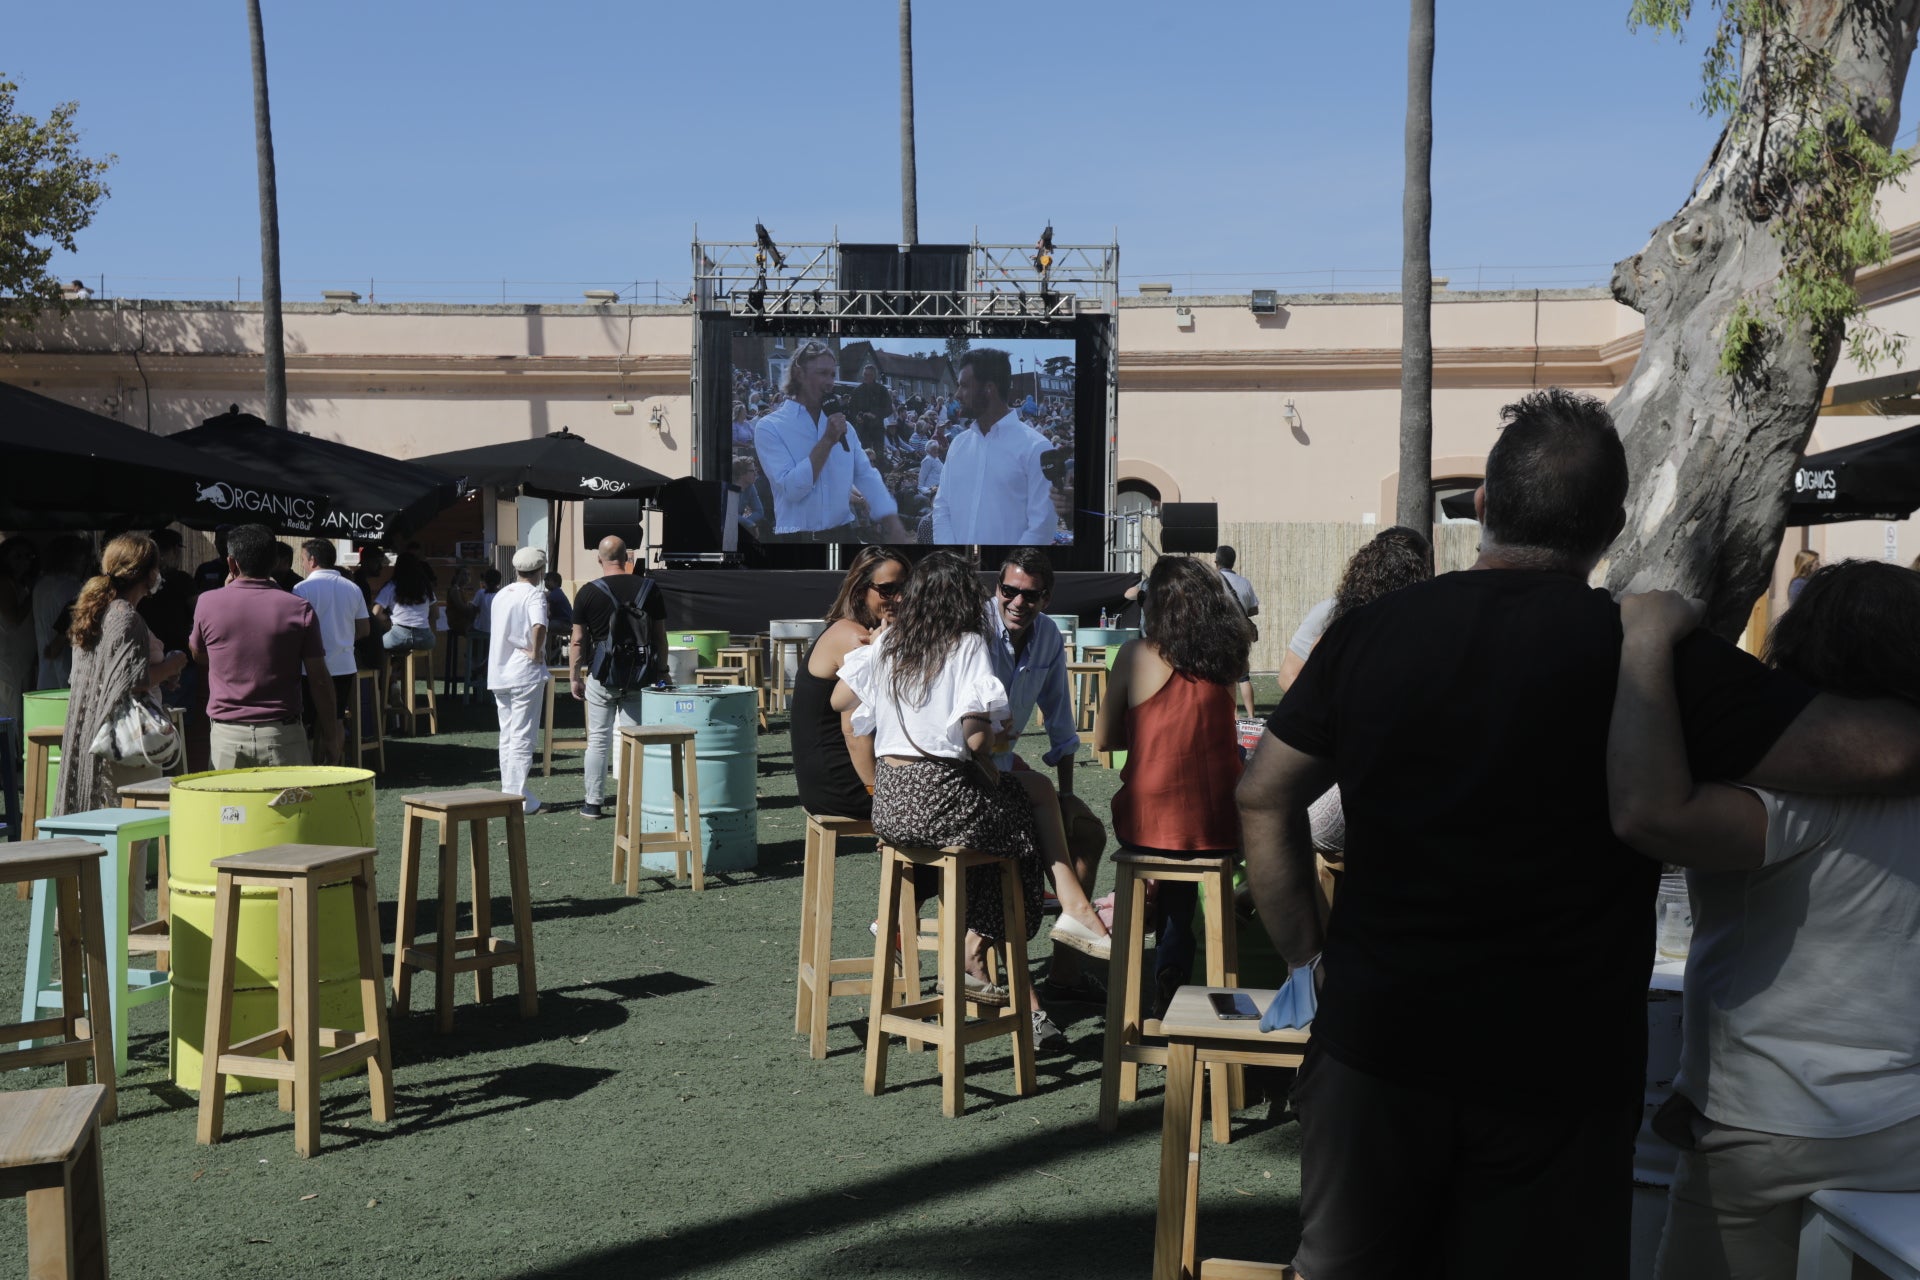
point(936, 804)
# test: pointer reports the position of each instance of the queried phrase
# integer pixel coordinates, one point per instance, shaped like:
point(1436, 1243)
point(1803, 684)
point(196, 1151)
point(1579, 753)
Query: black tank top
point(821, 766)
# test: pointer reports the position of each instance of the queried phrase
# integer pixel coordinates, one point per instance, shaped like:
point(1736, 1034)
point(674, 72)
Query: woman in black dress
point(832, 783)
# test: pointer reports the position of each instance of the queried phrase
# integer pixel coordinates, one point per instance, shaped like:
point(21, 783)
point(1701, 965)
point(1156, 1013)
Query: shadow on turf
point(1013, 1244)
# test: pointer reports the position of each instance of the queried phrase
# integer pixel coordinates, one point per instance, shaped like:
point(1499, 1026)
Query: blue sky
point(566, 145)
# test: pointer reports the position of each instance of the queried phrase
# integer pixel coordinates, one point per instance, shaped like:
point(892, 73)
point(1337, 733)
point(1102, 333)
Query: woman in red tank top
point(1169, 706)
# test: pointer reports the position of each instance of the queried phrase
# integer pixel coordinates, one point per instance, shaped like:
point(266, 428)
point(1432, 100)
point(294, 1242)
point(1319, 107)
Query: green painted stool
point(117, 831)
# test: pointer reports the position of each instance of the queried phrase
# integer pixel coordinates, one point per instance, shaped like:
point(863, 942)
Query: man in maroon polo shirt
point(254, 639)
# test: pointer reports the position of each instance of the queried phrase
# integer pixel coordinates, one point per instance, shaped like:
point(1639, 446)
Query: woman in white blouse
point(926, 691)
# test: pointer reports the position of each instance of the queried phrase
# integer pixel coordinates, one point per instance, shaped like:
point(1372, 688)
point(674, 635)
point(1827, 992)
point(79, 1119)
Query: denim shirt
point(1037, 677)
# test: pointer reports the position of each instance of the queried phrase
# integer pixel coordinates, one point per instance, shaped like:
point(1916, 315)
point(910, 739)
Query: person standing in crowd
point(254, 640)
point(1169, 706)
point(168, 610)
point(69, 563)
point(815, 462)
point(626, 600)
point(480, 633)
point(742, 428)
point(870, 404)
point(210, 575)
point(926, 692)
point(457, 614)
point(559, 615)
point(746, 478)
point(1799, 1062)
point(1804, 564)
point(832, 769)
point(517, 668)
point(341, 611)
point(409, 602)
point(993, 489)
point(283, 575)
point(1465, 720)
point(19, 654)
point(116, 658)
point(1224, 558)
point(367, 573)
point(1030, 660)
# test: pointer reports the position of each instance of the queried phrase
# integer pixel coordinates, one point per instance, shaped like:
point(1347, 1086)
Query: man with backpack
point(619, 648)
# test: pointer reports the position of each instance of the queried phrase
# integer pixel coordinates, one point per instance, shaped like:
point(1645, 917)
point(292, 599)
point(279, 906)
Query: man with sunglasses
point(814, 461)
point(1030, 659)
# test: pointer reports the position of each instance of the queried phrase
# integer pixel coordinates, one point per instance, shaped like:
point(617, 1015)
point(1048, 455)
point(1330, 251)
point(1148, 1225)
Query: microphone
point(832, 405)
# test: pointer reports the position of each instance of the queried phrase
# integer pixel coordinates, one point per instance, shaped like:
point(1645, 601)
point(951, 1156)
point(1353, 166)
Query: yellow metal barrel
point(238, 811)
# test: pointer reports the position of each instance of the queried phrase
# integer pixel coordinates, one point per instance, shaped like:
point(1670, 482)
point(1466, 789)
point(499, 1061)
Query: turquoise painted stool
point(116, 830)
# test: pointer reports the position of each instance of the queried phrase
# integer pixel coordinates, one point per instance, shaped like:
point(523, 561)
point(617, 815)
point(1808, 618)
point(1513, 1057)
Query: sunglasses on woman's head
point(1031, 595)
point(887, 590)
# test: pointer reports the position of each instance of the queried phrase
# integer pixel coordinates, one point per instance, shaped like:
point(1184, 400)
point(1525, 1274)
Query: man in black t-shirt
point(1470, 1098)
point(593, 617)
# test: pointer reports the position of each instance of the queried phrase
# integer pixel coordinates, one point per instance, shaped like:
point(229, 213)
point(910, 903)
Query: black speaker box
point(870, 266)
point(1189, 526)
point(621, 517)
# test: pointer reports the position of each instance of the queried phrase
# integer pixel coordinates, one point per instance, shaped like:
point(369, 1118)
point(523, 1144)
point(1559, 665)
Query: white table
point(1882, 1227)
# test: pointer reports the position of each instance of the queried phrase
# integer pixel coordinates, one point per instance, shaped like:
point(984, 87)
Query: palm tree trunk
point(909, 177)
point(1415, 503)
point(273, 338)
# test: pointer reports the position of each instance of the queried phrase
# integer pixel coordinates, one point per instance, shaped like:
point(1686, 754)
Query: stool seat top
point(471, 797)
point(152, 789)
point(293, 859)
point(106, 822)
point(47, 734)
point(658, 732)
point(952, 850)
point(739, 648)
point(729, 672)
point(23, 852)
point(1191, 1016)
point(852, 826)
point(46, 1126)
point(1198, 862)
point(1087, 668)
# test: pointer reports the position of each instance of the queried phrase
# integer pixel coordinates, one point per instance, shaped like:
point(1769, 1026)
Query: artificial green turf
point(659, 1118)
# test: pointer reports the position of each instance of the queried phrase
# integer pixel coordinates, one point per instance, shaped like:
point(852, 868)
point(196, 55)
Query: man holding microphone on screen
point(812, 466)
point(994, 489)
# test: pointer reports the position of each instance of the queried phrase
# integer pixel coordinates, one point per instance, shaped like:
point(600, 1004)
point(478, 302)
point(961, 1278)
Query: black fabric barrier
point(743, 601)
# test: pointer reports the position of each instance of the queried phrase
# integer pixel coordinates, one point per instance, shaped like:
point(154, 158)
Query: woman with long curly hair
point(925, 689)
point(834, 770)
point(115, 659)
point(1169, 706)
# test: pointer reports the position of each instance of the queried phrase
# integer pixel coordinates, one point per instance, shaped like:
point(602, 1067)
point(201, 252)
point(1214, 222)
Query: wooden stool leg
point(822, 956)
point(306, 1017)
point(449, 922)
point(909, 984)
point(953, 982)
point(100, 1017)
point(696, 844)
point(43, 943)
point(636, 780)
point(677, 784)
point(802, 986)
point(1013, 909)
point(881, 993)
point(77, 1003)
point(522, 911)
point(1220, 1076)
point(219, 1029)
point(433, 702)
point(1230, 977)
point(1123, 1005)
point(622, 837)
point(373, 994)
point(406, 909)
point(163, 960)
point(286, 987)
point(1132, 1030)
point(480, 873)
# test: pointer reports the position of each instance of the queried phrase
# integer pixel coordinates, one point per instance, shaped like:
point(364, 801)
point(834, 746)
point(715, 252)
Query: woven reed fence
point(1294, 565)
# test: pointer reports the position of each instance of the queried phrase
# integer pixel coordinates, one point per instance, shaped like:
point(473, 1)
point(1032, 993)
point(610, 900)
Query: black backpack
point(622, 657)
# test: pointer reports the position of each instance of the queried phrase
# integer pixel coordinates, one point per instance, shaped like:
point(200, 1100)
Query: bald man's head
point(613, 552)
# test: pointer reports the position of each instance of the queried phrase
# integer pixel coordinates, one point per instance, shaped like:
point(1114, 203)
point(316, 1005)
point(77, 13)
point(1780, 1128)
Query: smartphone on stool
point(1233, 1006)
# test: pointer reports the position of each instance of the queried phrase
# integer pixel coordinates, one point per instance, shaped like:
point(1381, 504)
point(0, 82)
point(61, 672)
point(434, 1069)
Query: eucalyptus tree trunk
point(273, 337)
point(1711, 454)
point(909, 174)
point(1414, 507)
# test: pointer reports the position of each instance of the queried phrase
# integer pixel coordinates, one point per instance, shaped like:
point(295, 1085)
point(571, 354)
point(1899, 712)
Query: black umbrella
point(1877, 479)
point(558, 465)
point(374, 496)
point(66, 467)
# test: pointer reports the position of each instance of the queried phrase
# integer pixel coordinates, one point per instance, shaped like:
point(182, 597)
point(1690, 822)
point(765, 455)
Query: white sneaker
point(533, 804)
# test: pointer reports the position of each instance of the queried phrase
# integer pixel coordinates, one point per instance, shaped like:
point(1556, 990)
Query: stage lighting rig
point(1043, 251)
point(766, 248)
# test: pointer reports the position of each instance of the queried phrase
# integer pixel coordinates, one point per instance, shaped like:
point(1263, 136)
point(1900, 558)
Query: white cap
point(529, 560)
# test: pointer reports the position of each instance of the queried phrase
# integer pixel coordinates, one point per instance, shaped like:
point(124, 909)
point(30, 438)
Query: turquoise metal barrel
point(1113, 637)
point(1068, 624)
point(726, 722)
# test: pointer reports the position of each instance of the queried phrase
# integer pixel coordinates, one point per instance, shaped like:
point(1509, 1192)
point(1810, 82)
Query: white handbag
point(139, 732)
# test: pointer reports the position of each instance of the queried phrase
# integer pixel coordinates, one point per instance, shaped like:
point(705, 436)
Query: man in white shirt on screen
point(994, 489)
point(813, 462)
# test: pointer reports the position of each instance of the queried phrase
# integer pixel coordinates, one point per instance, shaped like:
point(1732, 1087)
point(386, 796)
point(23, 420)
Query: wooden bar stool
point(454, 952)
point(555, 676)
point(366, 720)
point(1126, 1046)
point(747, 658)
point(684, 840)
point(155, 937)
point(777, 655)
point(739, 665)
point(949, 1028)
point(50, 1154)
point(1089, 686)
point(419, 666)
point(41, 743)
point(716, 675)
point(821, 976)
point(118, 831)
point(1094, 653)
point(297, 873)
point(80, 927)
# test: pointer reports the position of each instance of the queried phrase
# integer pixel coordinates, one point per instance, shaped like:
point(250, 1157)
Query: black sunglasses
point(1031, 595)
point(887, 590)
